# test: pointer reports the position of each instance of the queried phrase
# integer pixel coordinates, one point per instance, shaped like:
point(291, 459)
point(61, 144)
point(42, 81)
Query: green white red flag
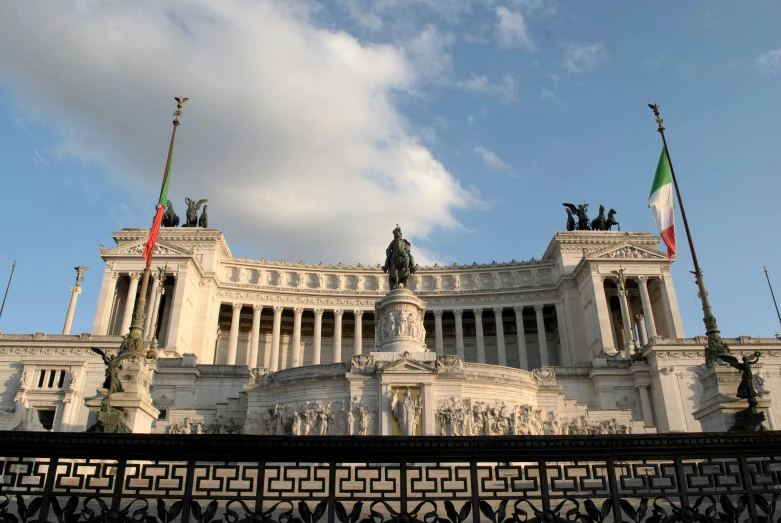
point(661, 203)
point(154, 232)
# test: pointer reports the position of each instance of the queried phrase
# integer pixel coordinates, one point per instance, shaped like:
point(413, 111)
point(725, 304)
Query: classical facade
point(587, 339)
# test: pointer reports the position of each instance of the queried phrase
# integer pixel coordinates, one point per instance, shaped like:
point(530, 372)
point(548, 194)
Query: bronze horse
point(611, 221)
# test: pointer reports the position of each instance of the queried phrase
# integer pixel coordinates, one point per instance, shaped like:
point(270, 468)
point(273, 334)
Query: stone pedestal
point(719, 405)
point(398, 320)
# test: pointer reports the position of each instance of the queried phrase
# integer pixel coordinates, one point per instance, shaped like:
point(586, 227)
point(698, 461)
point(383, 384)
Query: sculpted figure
point(192, 211)
point(407, 411)
point(411, 326)
point(582, 213)
point(598, 224)
point(350, 422)
point(365, 419)
point(203, 221)
point(611, 220)
point(170, 219)
point(399, 263)
point(746, 388)
point(570, 221)
point(322, 418)
point(296, 426)
point(24, 382)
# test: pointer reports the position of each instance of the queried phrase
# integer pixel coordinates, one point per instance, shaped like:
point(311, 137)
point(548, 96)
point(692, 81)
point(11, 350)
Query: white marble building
point(260, 347)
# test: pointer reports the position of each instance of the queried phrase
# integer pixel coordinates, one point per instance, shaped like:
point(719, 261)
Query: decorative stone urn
point(398, 321)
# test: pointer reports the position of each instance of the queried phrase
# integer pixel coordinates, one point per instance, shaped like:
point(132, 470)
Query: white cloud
point(492, 161)
point(511, 30)
point(291, 131)
point(583, 58)
point(505, 89)
point(429, 52)
point(39, 160)
point(769, 63)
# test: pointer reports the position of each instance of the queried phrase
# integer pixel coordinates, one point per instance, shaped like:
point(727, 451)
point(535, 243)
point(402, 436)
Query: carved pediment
point(137, 248)
point(405, 365)
point(626, 250)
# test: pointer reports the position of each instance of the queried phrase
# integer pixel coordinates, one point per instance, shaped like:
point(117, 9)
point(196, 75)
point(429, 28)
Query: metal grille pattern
point(73, 478)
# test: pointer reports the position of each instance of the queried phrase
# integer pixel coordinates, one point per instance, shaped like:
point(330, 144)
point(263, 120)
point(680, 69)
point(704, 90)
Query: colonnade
point(644, 322)
point(297, 358)
point(153, 301)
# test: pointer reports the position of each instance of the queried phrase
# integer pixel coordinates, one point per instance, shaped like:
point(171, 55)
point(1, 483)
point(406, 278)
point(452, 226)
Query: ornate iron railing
point(99, 478)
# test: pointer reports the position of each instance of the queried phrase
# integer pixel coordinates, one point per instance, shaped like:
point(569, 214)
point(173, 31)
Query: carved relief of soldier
point(171, 219)
point(318, 418)
point(600, 223)
point(401, 323)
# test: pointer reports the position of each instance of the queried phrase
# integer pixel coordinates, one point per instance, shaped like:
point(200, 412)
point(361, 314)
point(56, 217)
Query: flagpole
point(134, 340)
point(715, 344)
point(13, 268)
point(772, 294)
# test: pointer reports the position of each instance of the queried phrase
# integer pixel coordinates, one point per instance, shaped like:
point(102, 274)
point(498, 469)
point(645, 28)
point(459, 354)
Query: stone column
point(358, 340)
point(648, 313)
point(338, 313)
point(645, 403)
point(274, 363)
point(105, 304)
point(233, 341)
point(75, 291)
point(439, 344)
point(317, 334)
point(254, 341)
point(150, 303)
point(500, 336)
point(67, 413)
point(479, 335)
point(561, 324)
point(130, 301)
point(295, 346)
point(523, 358)
point(601, 318)
point(641, 330)
point(670, 306)
point(627, 323)
point(159, 292)
point(459, 313)
point(542, 339)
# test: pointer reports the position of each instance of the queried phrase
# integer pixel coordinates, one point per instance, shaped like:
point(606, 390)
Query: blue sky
point(314, 128)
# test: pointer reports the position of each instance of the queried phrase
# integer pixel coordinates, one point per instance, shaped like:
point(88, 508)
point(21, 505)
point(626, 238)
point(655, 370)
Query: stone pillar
point(150, 303)
point(154, 302)
point(338, 313)
point(479, 335)
point(439, 344)
point(459, 313)
point(159, 293)
point(523, 358)
point(502, 351)
point(542, 339)
point(130, 301)
point(641, 330)
point(275, 335)
point(233, 341)
point(75, 291)
point(295, 346)
point(648, 313)
point(68, 406)
point(561, 323)
point(627, 323)
point(602, 316)
point(645, 403)
point(105, 304)
point(317, 333)
point(254, 341)
point(670, 306)
point(358, 339)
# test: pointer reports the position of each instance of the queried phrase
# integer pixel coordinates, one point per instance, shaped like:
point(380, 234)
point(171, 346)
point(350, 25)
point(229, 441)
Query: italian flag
point(661, 203)
point(154, 232)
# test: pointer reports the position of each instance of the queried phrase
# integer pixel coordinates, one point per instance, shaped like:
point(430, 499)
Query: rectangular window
point(62, 379)
point(46, 417)
point(52, 375)
point(41, 377)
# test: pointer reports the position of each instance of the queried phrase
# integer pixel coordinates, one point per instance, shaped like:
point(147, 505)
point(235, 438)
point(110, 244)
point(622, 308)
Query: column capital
point(638, 317)
point(538, 308)
point(498, 311)
point(518, 309)
point(278, 310)
point(478, 312)
point(338, 313)
point(237, 306)
point(76, 289)
point(358, 313)
point(160, 290)
point(643, 279)
point(257, 308)
point(298, 311)
point(115, 276)
point(134, 276)
point(437, 312)
point(319, 312)
point(458, 312)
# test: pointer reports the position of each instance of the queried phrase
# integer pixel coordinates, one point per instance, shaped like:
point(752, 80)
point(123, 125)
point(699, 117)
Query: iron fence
point(101, 478)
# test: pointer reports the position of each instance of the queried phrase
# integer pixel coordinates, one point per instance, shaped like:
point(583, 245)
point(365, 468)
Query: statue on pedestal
point(747, 420)
point(407, 411)
point(170, 219)
point(581, 212)
point(399, 263)
point(192, 211)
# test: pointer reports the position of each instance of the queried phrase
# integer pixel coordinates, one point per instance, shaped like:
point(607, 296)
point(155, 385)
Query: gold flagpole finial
point(179, 103)
point(659, 120)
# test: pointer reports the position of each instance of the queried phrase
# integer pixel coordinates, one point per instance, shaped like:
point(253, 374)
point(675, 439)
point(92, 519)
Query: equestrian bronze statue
point(399, 263)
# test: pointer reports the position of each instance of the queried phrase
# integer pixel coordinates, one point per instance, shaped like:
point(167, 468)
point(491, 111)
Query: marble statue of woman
point(407, 411)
